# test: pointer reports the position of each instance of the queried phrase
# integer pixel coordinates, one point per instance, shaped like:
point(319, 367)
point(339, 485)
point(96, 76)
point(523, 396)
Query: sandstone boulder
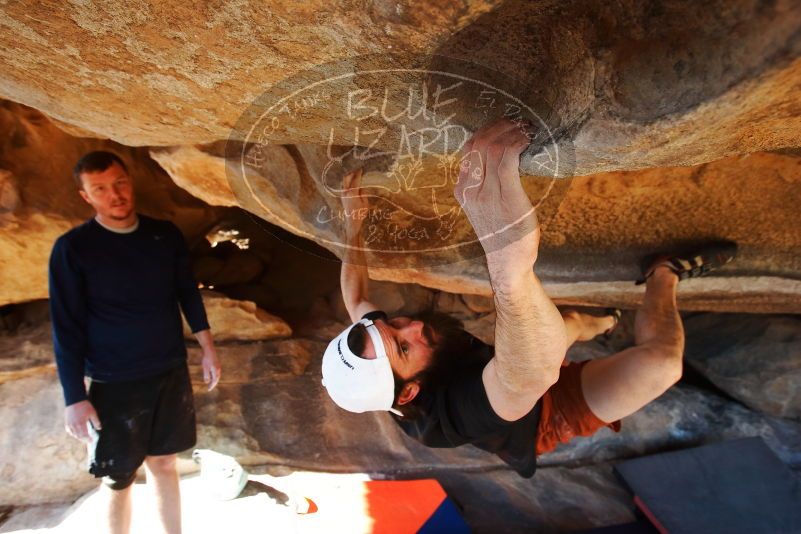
point(594, 235)
point(270, 409)
point(197, 172)
point(400, 299)
point(623, 88)
point(483, 327)
point(478, 303)
point(658, 126)
point(267, 390)
point(684, 416)
point(453, 304)
point(40, 462)
point(756, 360)
point(239, 320)
point(626, 86)
point(9, 192)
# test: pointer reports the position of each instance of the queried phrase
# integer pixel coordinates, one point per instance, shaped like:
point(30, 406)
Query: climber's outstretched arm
point(530, 337)
point(354, 276)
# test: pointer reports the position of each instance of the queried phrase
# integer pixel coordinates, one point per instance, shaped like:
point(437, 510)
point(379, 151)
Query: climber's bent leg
point(619, 385)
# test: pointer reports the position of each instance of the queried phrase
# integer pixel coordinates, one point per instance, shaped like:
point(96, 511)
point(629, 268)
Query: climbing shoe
point(698, 263)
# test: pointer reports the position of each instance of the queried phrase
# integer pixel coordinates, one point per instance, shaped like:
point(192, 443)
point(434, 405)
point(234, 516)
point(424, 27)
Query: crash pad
point(391, 507)
point(737, 486)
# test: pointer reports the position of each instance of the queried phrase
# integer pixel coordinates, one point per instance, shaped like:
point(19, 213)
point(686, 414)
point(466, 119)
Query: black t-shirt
point(116, 302)
point(459, 413)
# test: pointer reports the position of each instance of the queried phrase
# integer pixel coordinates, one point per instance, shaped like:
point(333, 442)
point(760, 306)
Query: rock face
point(756, 360)
point(198, 173)
point(40, 462)
point(250, 410)
point(594, 234)
point(270, 412)
point(251, 415)
point(9, 192)
point(239, 320)
point(658, 125)
point(628, 85)
point(39, 200)
point(684, 416)
point(653, 109)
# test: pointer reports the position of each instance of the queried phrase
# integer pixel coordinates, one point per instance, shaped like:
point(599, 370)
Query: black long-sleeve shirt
point(114, 301)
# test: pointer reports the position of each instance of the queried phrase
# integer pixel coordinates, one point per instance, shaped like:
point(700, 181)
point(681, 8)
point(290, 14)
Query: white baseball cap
point(357, 384)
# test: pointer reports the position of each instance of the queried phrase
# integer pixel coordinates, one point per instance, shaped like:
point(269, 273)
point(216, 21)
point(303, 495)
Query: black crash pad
point(733, 486)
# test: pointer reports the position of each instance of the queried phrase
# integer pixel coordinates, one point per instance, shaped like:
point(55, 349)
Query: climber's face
point(109, 192)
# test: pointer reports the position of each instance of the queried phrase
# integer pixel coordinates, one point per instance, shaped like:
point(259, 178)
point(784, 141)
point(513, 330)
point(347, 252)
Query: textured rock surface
point(680, 120)
point(252, 415)
point(632, 85)
point(270, 411)
point(39, 200)
point(756, 360)
point(593, 237)
point(198, 172)
point(242, 320)
point(267, 389)
point(271, 386)
point(684, 416)
point(40, 463)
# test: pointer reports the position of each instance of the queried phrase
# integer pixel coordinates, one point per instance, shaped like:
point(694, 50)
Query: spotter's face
point(109, 192)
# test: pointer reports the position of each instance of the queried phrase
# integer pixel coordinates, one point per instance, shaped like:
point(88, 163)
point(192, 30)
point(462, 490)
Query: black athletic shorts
point(149, 417)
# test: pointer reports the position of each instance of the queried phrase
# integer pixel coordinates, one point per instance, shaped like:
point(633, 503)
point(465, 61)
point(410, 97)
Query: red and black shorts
point(565, 413)
point(153, 416)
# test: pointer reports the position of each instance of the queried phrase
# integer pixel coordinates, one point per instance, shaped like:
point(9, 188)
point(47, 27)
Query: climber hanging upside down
point(515, 399)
